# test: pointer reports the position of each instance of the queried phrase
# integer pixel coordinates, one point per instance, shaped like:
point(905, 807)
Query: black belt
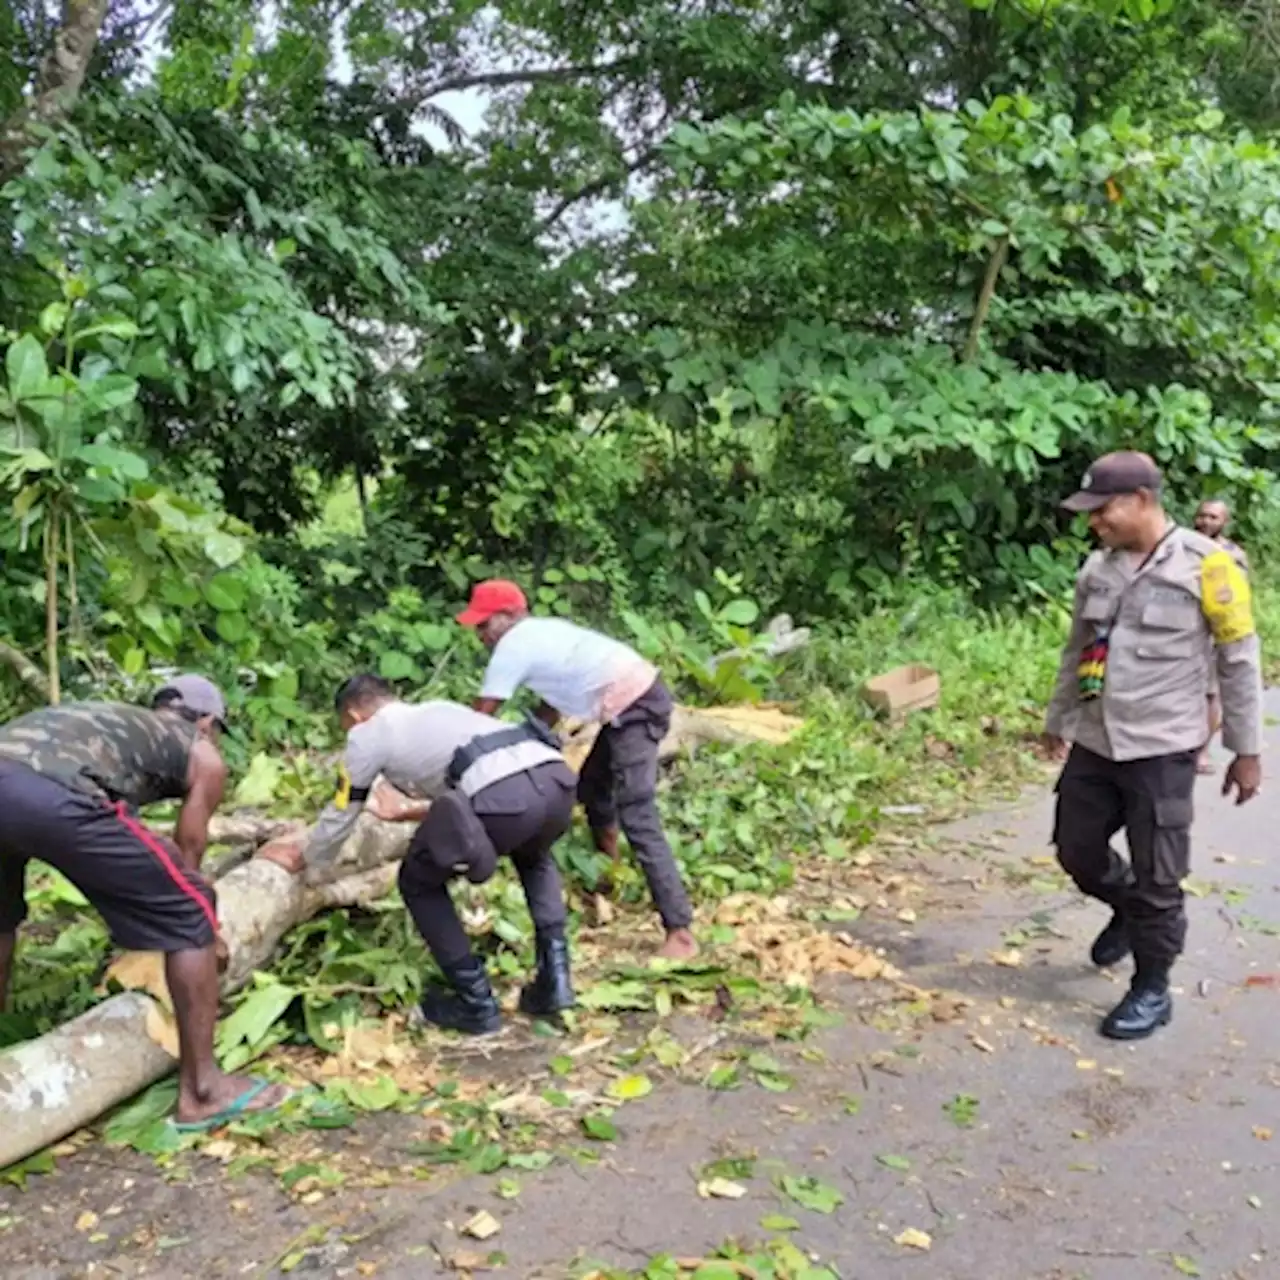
point(532, 730)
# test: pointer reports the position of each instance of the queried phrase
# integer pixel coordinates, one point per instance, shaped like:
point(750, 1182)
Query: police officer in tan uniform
point(1155, 608)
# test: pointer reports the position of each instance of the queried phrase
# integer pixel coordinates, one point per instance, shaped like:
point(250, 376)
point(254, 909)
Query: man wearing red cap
point(1156, 609)
point(581, 673)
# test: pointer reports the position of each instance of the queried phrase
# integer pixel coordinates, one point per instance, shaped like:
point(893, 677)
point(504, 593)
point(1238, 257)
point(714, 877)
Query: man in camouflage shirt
point(72, 779)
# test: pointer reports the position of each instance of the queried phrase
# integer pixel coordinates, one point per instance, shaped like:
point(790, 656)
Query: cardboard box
point(902, 690)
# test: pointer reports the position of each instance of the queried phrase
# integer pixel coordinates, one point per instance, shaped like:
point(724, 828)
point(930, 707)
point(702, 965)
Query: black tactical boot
point(469, 1007)
point(550, 991)
point(1112, 944)
point(1146, 1008)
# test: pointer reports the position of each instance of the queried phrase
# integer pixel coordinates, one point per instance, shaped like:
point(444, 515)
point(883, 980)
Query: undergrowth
point(740, 819)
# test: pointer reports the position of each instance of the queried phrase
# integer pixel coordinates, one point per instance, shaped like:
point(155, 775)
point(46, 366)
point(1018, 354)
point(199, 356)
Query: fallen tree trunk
point(56, 1084)
point(59, 1082)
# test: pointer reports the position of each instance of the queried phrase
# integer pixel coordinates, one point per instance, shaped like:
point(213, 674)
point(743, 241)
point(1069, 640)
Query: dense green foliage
point(313, 320)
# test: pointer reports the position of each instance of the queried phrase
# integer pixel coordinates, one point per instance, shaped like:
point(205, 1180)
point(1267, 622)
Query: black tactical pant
point(1152, 800)
point(618, 786)
point(523, 816)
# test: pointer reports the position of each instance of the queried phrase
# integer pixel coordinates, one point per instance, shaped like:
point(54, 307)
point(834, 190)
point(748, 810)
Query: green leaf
point(257, 789)
point(53, 317)
point(116, 327)
point(1187, 1266)
point(599, 1128)
point(740, 612)
point(232, 627)
point(377, 1095)
point(629, 1088)
point(110, 458)
point(394, 665)
point(225, 592)
point(17, 1174)
point(900, 1163)
point(255, 1016)
point(27, 369)
point(774, 1083)
point(114, 391)
point(222, 549)
point(810, 1193)
point(778, 1222)
point(531, 1160)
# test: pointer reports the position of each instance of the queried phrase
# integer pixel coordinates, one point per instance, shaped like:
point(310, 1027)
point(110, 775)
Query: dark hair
point(364, 687)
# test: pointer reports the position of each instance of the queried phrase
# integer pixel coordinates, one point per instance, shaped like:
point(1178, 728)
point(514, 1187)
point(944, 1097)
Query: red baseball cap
point(487, 598)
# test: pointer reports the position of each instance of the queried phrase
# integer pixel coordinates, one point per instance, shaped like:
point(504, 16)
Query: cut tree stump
point(61, 1081)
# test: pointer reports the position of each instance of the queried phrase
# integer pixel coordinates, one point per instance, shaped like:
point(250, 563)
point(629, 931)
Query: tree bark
point(58, 85)
point(995, 264)
point(26, 671)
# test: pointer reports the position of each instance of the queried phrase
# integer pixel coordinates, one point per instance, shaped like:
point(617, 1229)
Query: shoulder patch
point(1225, 598)
point(342, 797)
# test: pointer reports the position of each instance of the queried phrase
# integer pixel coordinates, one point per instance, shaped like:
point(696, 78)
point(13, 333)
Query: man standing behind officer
point(1212, 517)
point(1155, 607)
point(582, 673)
point(479, 789)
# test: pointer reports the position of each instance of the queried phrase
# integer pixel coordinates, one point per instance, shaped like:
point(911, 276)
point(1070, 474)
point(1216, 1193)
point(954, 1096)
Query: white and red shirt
point(579, 672)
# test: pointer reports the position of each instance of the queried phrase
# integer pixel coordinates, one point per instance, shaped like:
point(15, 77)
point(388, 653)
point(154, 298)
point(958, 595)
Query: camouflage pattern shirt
point(106, 749)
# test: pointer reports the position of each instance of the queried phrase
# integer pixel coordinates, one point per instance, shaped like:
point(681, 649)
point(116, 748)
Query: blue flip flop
point(237, 1109)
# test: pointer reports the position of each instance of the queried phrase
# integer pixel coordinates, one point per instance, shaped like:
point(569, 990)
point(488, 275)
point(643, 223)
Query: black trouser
point(619, 787)
point(134, 878)
point(523, 815)
point(1152, 800)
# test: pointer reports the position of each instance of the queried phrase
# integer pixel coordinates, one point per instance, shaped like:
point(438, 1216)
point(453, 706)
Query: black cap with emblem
point(1112, 475)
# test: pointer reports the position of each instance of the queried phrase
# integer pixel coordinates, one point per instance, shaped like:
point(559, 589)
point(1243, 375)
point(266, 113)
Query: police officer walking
point(479, 789)
point(1155, 608)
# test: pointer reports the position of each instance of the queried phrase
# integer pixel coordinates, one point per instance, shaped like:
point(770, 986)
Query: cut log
point(693, 726)
point(56, 1084)
point(59, 1082)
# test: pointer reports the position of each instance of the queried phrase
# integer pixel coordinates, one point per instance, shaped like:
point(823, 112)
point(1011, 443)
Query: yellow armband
point(1225, 599)
point(343, 796)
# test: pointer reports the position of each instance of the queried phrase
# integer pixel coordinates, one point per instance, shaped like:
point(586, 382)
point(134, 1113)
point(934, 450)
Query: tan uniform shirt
point(1168, 622)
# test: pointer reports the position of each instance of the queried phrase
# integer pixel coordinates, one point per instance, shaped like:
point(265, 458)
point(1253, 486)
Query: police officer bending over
point(1154, 608)
point(479, 788)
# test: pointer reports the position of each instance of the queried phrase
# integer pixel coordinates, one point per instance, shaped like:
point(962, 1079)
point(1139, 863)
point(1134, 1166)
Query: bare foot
point(223, 1094)
point(680, 945)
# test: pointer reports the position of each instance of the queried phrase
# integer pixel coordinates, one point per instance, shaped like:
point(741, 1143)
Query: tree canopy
point(624, 300)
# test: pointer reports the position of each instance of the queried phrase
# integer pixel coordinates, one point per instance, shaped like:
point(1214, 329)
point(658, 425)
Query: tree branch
point(59, 82)
point(531, 75)
point(26, 670)
point(598, 187)
point(994, 265)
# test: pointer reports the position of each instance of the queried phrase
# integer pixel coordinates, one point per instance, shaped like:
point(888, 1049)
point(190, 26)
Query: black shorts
point(134, 878)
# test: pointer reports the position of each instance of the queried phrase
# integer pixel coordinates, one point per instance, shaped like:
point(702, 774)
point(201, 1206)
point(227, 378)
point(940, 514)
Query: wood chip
point(482, 1226)
point(913, 1238)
